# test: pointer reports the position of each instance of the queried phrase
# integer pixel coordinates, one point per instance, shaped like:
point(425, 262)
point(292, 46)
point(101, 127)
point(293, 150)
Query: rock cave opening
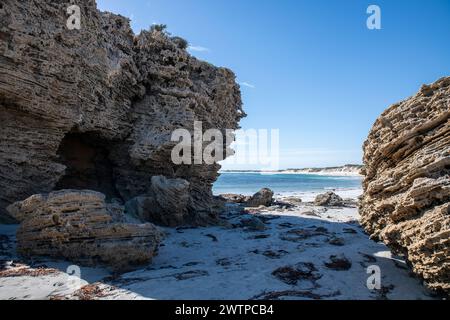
point(89, 167)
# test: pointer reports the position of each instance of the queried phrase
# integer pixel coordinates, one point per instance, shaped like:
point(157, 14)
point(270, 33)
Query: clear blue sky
point(313, 68)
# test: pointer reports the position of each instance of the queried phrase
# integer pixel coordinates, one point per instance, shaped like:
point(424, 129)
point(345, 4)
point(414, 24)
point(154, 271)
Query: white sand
point(191, 265)
point(310, 196)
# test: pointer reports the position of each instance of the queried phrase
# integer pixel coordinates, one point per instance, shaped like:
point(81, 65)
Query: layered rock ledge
point(82, 227)
point(406, 200)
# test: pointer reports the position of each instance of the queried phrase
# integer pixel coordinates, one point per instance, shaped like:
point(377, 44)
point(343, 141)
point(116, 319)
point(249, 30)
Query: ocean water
point(283, 184)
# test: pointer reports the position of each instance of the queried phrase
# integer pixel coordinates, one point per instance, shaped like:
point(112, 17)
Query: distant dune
point(345, 170)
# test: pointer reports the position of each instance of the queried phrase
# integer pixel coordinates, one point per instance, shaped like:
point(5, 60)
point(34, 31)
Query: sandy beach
point(290, 256)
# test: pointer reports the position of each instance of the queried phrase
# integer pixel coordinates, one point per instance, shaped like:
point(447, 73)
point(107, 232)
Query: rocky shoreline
point(300, 250)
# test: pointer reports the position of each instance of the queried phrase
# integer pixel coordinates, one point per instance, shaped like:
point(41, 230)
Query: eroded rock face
point(406, 200)
point(95, 108)
point(82, 227)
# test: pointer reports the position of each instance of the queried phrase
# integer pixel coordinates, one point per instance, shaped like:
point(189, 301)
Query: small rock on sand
point(263, 197)
point(329, 199)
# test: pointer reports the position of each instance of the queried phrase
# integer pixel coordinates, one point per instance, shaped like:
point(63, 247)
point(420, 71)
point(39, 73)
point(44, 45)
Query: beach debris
point(93, 291)
point(12, 269)
point(286, 225)
point(300, 271)
point(224, 262)
point(282, 206)
point(258, 237)
point(191, 274)
point(382, 294)
point(336, 241)
point(263, 197)
point(296, 235)
point(349, 230)
point(305, 245)
point(329, 199)
point(308, 294)
point(338, 262)
point(275, 254)
point(191, 264)
point(187, 244)
point(253, 224)
point(267, 218)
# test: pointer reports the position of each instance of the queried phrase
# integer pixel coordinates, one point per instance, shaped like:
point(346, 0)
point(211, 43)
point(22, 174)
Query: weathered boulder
point(82, 227)
point(406, 201)
point(95, 108)
point(329, 199)
point(165, 204)
point(263, 197)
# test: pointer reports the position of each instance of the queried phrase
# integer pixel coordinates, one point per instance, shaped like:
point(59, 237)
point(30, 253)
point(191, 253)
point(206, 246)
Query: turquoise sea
point(249, 183)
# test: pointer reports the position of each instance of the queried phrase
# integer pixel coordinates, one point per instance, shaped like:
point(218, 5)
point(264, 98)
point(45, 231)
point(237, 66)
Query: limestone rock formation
point(329, 199)
point(80, 226)
point(406, 200)
point(94, 108)
point(263, 197)
point(165, 204)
